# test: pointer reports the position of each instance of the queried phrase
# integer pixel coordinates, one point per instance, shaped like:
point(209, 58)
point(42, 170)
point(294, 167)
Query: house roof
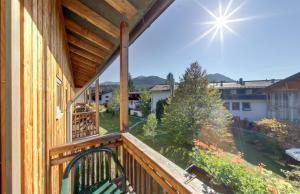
point(245, 84)
point(227, 85)
point(92, 31)
point(158, 88)
point(292, 78)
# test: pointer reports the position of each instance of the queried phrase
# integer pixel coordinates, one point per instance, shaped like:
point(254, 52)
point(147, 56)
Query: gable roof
point(245, 84)
point(158, 88)
point(292, 78)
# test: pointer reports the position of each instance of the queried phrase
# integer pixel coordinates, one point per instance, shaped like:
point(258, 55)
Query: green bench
point(92, 172)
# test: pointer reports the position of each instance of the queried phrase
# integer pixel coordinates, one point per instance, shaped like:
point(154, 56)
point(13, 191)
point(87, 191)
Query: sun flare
point(221, 21)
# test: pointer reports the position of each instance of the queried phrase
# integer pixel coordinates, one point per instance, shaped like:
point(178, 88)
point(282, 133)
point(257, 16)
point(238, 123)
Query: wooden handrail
point(69, 147)
point(171, 177)
point(143, 164)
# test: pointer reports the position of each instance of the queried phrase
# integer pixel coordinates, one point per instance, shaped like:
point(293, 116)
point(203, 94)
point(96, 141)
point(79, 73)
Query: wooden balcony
point(146, 170)
point(83, 125)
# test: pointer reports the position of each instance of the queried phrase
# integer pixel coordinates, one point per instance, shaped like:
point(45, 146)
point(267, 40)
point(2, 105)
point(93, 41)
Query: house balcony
point(146, 170)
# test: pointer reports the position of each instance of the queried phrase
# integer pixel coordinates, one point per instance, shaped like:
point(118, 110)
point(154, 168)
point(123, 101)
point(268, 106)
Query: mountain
point(147, 81)
point(217, 77)
point(110, 83)
point(141, 82)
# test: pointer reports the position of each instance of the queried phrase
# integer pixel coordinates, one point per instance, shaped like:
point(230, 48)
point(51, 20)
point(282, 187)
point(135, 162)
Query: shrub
point(150, 126)
point(160, 108)
point(282, 131)
point(145, 106)
point(293, 175)
point(236, 173)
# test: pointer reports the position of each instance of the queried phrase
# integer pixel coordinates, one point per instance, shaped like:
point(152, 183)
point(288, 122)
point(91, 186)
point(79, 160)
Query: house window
point(235, 106)
point(246, 106)
point(233, 92)
point(226, 92)
point(227, 105)
point(248, 91)
point(58, 98)
point(106, 96)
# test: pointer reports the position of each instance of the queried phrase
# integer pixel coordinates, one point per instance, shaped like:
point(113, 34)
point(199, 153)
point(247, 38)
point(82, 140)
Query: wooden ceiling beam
point(91, 16)
point(86, 54)
point(83, 65)
point(84, 60)
point(81, 75)
point(124, 7)
point(86, 33)
point(82, 80)
point(86, 46)
point(83, 69)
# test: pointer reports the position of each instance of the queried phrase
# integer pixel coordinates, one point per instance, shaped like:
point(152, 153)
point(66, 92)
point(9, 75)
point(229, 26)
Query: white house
point(134, 100)
point(244, 99)
point(105, 97)
point(159, 92)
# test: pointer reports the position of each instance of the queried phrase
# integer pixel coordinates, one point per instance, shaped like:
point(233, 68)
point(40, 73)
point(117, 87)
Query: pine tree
point(195, 106)
point(131, 87)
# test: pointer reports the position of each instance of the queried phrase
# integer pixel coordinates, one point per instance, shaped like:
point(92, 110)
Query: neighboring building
point(245, 99)
point(105, 98)
point(159, 92)
point(134, 100)
point(283, 99)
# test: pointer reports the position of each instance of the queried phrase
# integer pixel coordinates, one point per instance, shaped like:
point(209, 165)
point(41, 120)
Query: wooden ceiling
point(92, 31)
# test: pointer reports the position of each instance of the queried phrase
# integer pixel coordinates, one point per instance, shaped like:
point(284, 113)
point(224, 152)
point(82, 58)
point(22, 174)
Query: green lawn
point(264, 151)
point(162, 144)
point(111, 123)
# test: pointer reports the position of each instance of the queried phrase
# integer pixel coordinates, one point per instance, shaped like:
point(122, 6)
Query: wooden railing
point(83, 124)
point(147, 171)
point(59, 156)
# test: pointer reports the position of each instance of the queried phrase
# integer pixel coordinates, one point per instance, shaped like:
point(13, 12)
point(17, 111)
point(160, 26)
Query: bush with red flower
point(236, 174)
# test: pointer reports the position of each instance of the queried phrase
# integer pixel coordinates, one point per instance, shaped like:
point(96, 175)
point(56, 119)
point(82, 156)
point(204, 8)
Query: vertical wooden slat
point(124, 44)
point(156, 188)
point(27, 109)
point(97, 106)
point(116, 169)
point(138, 178)
point(149, 184)
point(142, 180)
point(60, 172)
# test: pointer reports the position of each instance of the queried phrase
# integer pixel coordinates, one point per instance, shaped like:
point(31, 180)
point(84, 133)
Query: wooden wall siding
point(44, 59)
point(2, 94)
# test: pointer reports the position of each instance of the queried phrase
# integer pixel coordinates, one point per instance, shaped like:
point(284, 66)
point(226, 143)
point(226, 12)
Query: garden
point(193, 127)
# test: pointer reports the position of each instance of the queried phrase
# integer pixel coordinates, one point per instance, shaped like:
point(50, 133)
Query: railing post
point(97, 105)
point(124, 44)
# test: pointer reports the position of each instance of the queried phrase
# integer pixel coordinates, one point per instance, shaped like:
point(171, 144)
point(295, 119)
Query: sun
point(221, 21)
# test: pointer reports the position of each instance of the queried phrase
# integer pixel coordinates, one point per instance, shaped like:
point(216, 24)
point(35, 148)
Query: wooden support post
point(124, 44)
point(84, 97)
point(90, 96)
point(97, 105)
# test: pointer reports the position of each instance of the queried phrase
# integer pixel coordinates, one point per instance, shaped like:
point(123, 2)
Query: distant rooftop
point(244, 84)
point(158, 88)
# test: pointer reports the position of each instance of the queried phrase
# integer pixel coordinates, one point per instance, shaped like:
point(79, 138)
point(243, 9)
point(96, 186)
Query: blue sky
point(267, 46)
